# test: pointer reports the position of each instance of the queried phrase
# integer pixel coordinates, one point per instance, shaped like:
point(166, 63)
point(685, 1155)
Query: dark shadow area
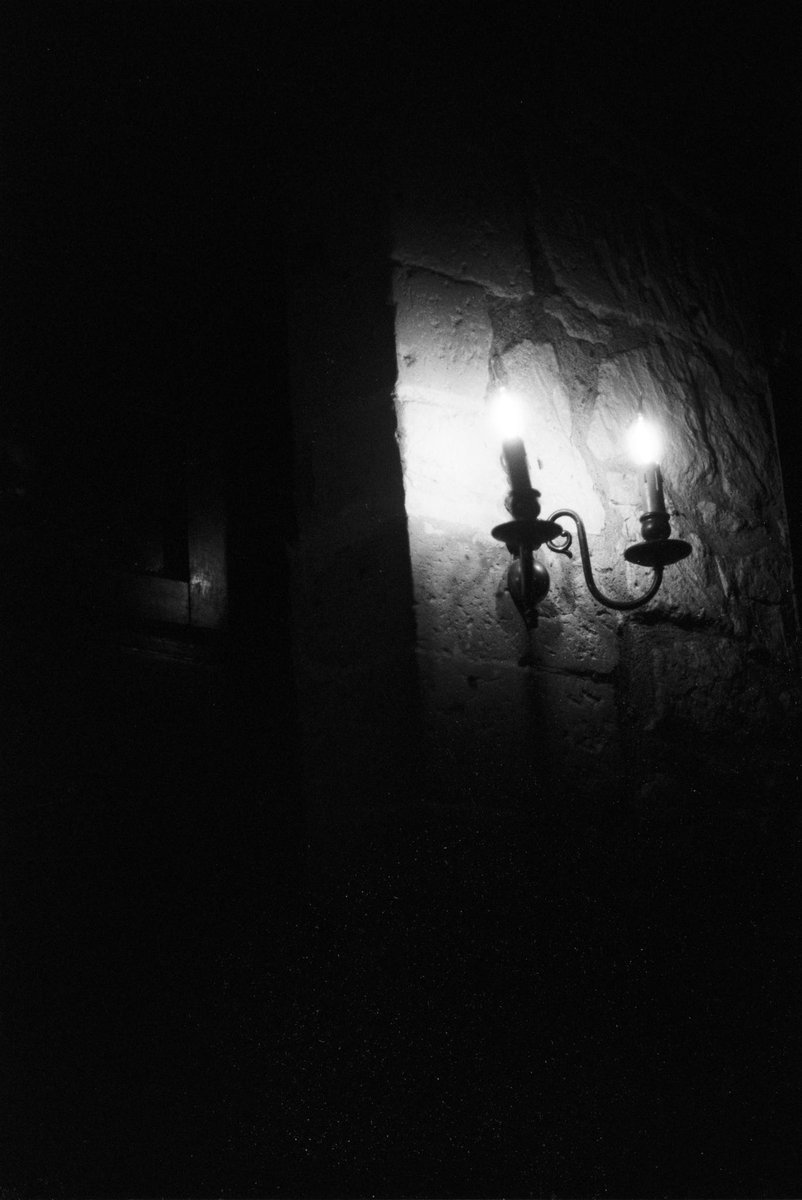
point(151, 828)
point(593, 1001)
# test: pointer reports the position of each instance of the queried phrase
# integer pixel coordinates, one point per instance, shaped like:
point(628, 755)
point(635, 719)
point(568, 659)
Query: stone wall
point(544, 941)
point(597, 289)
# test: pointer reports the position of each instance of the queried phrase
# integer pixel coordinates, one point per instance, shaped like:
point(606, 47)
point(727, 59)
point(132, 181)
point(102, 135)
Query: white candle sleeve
point(653, 498)
point(514, 453)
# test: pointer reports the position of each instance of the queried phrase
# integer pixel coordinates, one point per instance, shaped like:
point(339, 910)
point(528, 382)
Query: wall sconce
point(527, 579)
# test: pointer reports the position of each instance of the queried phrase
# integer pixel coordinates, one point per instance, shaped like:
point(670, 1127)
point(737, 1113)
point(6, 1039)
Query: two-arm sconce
point(527, 578)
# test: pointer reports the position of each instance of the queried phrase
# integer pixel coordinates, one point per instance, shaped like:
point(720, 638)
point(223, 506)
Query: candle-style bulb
point(646, 447)
point(507, 413)
point(644, 442)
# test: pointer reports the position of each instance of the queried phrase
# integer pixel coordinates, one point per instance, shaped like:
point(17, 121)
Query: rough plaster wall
point(597, 290)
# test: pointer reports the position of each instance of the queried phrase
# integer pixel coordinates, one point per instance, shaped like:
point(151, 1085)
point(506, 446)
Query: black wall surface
point(192, 1010)
point(150, 806)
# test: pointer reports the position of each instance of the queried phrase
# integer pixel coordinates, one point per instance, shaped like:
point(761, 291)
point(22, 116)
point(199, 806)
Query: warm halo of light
point(508, 414)
point(644, 442)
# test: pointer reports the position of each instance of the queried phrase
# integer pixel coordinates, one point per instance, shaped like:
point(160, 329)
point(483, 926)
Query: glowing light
point(644, 442)
point(508, 414)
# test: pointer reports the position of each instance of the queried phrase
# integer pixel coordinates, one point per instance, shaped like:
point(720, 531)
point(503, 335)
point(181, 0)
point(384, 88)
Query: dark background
point(153, 895)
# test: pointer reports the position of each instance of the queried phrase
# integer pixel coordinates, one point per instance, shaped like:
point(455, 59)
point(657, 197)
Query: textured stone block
point(462, 220)
point(443, 336)
point(457, 578)
point(452, 468)
point(613, 253)
point(579, 732)
point(576, 642)
point(691, 588)
point(684, 678)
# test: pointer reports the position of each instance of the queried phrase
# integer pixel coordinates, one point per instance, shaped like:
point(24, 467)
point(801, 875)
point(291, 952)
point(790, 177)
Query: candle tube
point(514, 453)
point(653, 499)
point(645, 447)
point(523, 499)
point(654, 522)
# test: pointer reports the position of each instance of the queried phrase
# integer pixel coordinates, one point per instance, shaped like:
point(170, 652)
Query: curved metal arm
point(621, 605)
